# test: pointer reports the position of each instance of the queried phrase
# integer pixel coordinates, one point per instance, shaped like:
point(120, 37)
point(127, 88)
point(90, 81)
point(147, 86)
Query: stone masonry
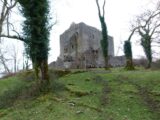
point(80, 48)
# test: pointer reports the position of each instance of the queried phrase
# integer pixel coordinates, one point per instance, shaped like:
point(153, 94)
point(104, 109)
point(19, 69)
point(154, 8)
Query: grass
point(9, 83)
point(94, 95)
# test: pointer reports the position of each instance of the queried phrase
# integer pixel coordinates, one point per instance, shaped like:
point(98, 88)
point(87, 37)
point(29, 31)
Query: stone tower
point(80, 47)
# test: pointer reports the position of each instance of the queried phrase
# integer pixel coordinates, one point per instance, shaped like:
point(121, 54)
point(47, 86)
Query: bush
point(61, 73)
point(156, 65)
point(142, 62)
point(9, 97)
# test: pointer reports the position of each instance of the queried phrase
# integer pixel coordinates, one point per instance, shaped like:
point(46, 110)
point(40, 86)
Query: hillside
point(80, 95)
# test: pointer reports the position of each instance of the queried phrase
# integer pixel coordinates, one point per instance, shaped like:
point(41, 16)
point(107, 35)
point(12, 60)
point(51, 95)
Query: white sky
point(119, 13)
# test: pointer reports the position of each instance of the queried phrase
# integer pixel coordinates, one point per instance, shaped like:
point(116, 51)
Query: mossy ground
point(93, 95)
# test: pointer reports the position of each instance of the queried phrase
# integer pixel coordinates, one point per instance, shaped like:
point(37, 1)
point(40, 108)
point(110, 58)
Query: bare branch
point(104, 8)
point(13, 37)
point(129, 38)
point(99, 11)
point(6, 8)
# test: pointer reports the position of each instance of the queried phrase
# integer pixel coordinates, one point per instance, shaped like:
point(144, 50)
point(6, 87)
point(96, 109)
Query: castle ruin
point(80, 48)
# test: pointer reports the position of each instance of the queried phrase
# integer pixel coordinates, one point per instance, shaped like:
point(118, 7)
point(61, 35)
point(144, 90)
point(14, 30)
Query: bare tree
point(148, 28)
point(14, 58)
point(147, 25)
point(7, 6)
point(5, 10)
point(26, 61)
point(3, 62)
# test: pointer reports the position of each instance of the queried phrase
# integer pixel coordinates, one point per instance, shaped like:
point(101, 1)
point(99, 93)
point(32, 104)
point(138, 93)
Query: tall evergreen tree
point(36, 34)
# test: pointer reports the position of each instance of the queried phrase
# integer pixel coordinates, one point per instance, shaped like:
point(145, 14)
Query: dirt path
point(149, 100)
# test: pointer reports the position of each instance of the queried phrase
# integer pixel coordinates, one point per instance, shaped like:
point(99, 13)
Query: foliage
point(10, 89)
point(146, 44)
point(36, 33)
point(104, 41)
point(128, 55)
point(128, 49)
point(61, 73)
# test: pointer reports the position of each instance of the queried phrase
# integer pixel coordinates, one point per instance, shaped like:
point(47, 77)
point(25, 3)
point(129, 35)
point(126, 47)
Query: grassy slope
point(94, 95)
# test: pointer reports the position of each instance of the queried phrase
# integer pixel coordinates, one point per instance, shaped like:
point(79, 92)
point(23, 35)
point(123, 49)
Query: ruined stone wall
point(117, 61)
point(67, 40)
point(80, 48)
point(91, 38)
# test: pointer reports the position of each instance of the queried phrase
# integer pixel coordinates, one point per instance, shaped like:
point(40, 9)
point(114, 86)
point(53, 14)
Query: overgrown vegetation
point(36, 30)
point(128, 55)
point(104, 41)
point(92, 95)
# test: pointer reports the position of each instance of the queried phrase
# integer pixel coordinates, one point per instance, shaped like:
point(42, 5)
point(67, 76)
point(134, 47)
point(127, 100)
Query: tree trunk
point(36, 68)
point(128, 55)
point(3, 61)
point(104, 41)
point(0, 27)
point(44, 72)
point(149, 64)
point(129, 64)
point(106, 63)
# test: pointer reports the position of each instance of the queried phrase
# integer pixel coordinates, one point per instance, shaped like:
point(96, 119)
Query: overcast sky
point(119, 13)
